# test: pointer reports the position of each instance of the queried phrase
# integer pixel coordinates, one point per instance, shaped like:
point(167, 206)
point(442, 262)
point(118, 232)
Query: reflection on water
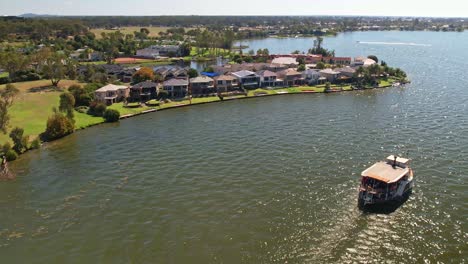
point(257, 181)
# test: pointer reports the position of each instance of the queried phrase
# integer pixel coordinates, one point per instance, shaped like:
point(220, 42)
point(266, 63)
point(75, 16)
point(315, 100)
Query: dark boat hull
point(387, 206)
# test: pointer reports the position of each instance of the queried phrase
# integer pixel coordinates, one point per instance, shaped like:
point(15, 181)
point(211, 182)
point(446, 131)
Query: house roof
point(329, 71)
point(225, 78)
point(310, 71)
point(290, 72)
point(285, 60)
point(346, 69)
point(244, 73)
point(267, 73)
point(145, 84)
point(385, 172)
point(201, 79)
point(176, 82)
point(111, 87)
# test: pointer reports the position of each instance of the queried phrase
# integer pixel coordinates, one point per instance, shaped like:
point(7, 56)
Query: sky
point(429, 8)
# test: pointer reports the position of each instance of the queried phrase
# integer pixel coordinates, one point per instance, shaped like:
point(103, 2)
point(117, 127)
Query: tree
point(296, 52)
point(143, 74)
point(82, 97)
point(320, 65)
point(54, 68)
point(58, 126)
point(13, 62)
point(67, 104)
point(6, 101)
point(374, 58)
point(192, 73)
point(20, 142)
point(208, 69)
point(96, 108)
point(301, 68)
point(327, 87)
point(111, 115)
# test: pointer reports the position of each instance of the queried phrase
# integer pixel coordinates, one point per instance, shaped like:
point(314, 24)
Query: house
point(276, 67)
point(226, 83)
point(288, 61)
point(157, 51)
point(311, 76)
point(346, 72)
point(363, 61)
point(202, 85)
point(176, 88)
point(172, 72)
point(144, 91)
point(269, 79)
point(291, 77)
point(247, 79)
point(329, 74)
point(110, 93)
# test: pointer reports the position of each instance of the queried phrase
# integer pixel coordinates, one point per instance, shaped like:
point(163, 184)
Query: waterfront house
point(144, 91)
point(172, 72)
point(176, 88)
point(157, 51)
point(363, 61)
point(226, 83)
point(337, 60)
point(291, 77)
point(110, 93)
point(346, 74)
point(269, 79)
point(247, 79)
point(202, 85)
point(311, 77)
point(329, 74)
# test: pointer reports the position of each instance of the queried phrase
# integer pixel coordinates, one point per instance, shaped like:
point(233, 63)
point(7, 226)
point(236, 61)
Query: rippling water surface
point(267, 180)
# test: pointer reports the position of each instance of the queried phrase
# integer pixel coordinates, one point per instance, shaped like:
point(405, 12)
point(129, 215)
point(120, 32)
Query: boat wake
point(394, 43)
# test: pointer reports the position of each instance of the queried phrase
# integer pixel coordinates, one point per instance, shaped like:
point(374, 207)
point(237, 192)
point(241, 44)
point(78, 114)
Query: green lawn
point(85, 120)
point(260, 91)
point(4, 74)
point(128, 111)
point(30, 110)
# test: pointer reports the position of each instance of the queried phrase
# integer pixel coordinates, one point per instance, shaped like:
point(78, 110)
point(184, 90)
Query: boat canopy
point(385, 172)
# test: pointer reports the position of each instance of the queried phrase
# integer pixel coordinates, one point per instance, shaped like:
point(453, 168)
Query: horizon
point(262, 8)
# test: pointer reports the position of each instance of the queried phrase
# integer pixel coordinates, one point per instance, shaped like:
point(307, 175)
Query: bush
point(6, 147)
point(82, 109)
point(111, 115)
point(97, 108)
point(11, 155)
point(5, 80)
point(58, 126)
point(35, 144)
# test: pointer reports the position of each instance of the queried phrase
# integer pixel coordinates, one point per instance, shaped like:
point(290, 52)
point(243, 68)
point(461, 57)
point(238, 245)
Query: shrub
point(20, 142)
point(6, 147)
point(111, 115)
point(97, 108)
point(35, 144)
point(82, 109)
point(11, 155)
point(5, 80)
point(58, 126)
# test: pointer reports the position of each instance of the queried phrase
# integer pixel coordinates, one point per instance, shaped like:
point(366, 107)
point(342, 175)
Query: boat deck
point(385, 172)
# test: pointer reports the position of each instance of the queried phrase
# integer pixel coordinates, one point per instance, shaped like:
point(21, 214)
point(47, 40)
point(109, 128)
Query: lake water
point(264, 180)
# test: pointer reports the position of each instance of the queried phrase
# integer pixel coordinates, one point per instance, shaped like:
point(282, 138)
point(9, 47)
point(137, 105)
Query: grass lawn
point(85, 120)
point(194, 101)
point(30, 110)
point(128, 111)
point(383, 83)
point(260, 91)
point(4, 74)
point(154, 31)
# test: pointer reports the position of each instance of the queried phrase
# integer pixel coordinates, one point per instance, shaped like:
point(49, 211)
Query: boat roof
point(385, 172)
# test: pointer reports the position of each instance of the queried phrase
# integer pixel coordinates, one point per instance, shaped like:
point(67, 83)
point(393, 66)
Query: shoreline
point(263, 93)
